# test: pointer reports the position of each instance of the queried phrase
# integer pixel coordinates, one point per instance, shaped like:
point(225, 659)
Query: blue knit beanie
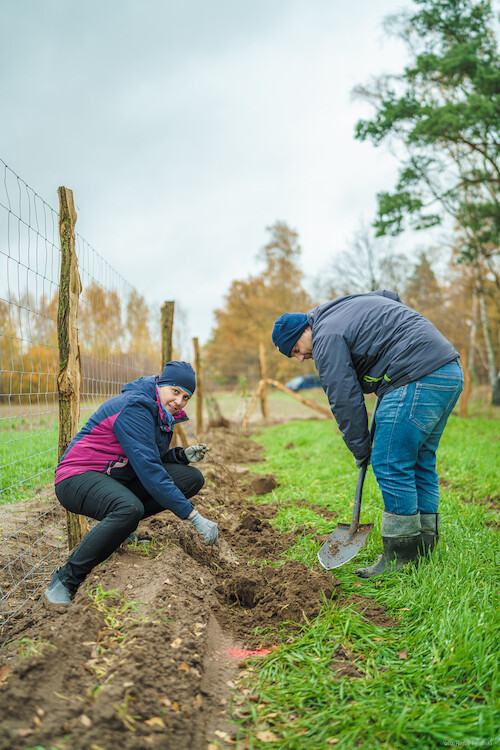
point(180, 374)
point(287, 331)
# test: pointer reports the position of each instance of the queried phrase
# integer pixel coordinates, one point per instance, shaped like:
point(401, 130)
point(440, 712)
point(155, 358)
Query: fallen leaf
point(332, 740)
point(267, 736)
point(175, 706)
point(176, 643)
point(198, 701)
point(85, 721)
point(403, 654)
point(357, 585)
point(377, 638)
point(155, 721)
point(165, 701)
point(184, 667)
point(21, 732)
point(223, 735)
point(5, 671)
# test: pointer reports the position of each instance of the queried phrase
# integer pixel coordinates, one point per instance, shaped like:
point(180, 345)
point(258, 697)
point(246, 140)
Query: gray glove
point(208, 529)
point(360, 461)
point(196, 452)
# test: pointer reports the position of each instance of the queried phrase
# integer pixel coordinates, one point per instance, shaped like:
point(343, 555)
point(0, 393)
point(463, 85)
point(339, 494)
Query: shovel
point(346, 541)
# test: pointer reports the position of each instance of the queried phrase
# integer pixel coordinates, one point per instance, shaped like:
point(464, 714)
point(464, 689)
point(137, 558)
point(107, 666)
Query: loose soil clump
point(142, 659)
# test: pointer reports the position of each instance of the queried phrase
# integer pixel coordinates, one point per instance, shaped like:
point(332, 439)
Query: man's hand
point(360, 461)
point(195, 453)
point(208, 529)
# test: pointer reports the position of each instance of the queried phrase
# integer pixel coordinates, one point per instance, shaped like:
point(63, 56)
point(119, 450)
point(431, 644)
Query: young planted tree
point(442, 114)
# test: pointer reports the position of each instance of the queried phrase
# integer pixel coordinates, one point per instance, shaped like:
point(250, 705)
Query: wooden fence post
point(167, 326)
point(199, 387)
point(69, 377)
point(263, 377)
point(250, 409)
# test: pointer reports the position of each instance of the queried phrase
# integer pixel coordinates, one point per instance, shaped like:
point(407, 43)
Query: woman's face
point(173, 398)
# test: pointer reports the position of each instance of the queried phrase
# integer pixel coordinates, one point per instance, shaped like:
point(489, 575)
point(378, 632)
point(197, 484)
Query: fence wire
point(117, 344)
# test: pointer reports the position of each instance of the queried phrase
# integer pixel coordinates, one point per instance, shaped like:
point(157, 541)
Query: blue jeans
point(409, 423)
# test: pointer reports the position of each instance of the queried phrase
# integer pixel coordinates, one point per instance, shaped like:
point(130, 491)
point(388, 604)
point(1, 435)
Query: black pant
point(118, 507)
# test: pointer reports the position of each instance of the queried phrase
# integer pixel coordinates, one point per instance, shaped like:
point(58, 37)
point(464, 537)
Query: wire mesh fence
point(117, 344)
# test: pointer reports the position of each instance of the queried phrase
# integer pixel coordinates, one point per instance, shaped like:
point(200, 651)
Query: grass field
point(431, 681)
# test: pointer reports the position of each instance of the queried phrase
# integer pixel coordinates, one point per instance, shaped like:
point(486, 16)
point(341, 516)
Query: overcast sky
point(186, 128)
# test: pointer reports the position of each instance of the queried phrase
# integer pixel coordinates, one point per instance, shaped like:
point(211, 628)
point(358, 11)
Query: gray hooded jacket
point(371, 343)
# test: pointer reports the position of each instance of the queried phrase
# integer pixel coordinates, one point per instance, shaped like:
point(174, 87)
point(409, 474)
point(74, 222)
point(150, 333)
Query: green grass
point(433, 679)
point(28, 455)
point(28, 452)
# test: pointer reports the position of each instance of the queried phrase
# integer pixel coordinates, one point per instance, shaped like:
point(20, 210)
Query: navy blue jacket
point(371, 343)
point(129, 436)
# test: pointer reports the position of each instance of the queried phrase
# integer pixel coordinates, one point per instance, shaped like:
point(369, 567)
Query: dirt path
point(159, 674)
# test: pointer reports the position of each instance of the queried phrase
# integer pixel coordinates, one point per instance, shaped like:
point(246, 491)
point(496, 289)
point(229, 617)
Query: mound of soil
point(142, 659)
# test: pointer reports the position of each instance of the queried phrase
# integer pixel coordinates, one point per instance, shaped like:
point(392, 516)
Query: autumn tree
point(251, 307)
point(442, 115)
point(99, 321)
point(367, 263)
point(423, 292)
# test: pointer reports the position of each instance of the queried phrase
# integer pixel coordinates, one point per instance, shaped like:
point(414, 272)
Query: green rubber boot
point(400, 538)
point(429, 532)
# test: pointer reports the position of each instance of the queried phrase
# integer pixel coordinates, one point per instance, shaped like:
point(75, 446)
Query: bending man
point(373, 343)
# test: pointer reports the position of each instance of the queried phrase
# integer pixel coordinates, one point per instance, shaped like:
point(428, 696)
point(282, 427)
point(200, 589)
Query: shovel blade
point(340, 547)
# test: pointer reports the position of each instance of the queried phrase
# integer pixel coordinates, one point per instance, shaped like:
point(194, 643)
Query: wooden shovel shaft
point(361, 480)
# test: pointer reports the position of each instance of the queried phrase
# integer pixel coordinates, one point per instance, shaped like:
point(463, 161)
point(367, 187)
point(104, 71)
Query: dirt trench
point(159, 673)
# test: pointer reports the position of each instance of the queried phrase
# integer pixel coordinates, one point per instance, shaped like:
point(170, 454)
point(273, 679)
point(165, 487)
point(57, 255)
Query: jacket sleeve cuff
point(176, 456)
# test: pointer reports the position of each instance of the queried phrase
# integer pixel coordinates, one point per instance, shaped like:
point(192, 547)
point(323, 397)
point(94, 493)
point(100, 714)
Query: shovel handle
point(361, 477)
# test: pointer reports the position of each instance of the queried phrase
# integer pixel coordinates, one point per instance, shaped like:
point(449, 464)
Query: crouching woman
point(120, 468)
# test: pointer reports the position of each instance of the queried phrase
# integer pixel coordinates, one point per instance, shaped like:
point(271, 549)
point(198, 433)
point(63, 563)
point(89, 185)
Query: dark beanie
point(287, 331)
point(180, 374)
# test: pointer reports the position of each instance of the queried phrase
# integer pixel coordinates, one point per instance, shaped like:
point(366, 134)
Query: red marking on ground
point(244, 653)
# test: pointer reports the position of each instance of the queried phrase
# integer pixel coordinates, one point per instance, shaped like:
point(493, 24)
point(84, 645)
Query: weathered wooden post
point(69, 377)
point(167, 327)
point(263, 378)
point(199, 387)
point(250, 409)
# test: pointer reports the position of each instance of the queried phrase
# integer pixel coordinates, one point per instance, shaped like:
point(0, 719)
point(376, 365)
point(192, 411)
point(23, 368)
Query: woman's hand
point(208, 529)
point(196, 453)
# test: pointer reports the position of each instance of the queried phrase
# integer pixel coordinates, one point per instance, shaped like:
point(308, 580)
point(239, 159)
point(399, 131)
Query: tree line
point(114, 340)
point(441, 118)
